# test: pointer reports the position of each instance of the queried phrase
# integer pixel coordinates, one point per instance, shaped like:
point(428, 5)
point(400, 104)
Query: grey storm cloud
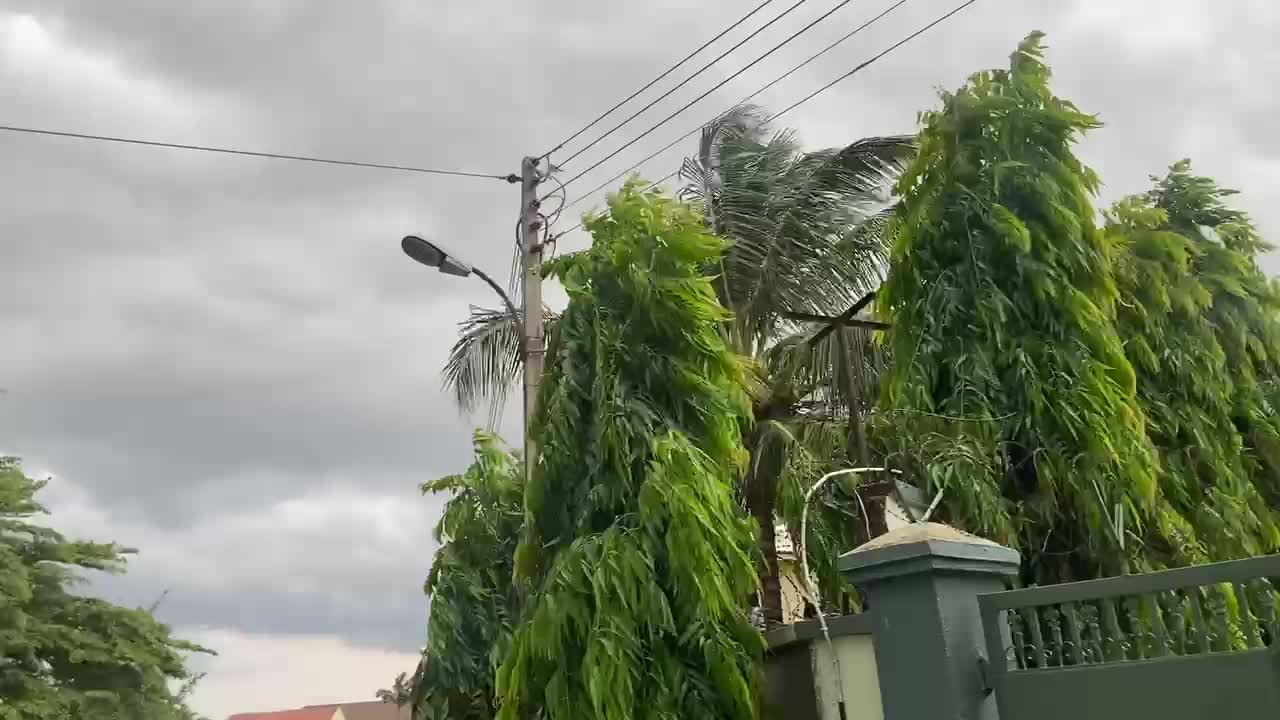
point(194, 344)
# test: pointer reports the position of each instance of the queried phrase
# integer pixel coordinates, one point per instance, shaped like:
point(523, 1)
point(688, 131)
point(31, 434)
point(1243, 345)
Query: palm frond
point(485, 361)
point(806, 228)
point(826, 375)
point(703, 171)
point(874, 162)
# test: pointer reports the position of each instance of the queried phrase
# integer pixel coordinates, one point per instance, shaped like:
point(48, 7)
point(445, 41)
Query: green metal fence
point(1185, 643)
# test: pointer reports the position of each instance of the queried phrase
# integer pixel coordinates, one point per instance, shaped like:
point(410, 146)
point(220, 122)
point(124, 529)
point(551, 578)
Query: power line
point(648, 187)
point(719, 85)
point(249, 153)
point(686, 81)
point(655, 81)
point(866, 63)
point(741, 102)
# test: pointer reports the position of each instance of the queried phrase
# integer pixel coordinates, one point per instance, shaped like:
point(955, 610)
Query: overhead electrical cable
point(648, 187)
point(658, 79)
point(866, 63)
point(741, 102)
point(719, 85)
point(794, 105)
point(684, 82)
point(275, 156)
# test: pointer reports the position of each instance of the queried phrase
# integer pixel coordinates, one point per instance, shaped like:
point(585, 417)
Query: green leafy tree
point(1199, 320)
point(634, 555)
point(1245, 310)
point(1010, 389)
point(65, 656)
point(806, 245)
point(473, 601)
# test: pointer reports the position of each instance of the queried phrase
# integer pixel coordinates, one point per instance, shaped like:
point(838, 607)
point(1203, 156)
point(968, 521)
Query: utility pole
point(533, 341)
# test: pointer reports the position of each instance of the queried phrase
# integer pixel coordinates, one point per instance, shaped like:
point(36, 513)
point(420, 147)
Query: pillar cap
point(927, 547)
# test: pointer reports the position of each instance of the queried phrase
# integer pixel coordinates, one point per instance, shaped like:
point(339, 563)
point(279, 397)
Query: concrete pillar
point(922, 582)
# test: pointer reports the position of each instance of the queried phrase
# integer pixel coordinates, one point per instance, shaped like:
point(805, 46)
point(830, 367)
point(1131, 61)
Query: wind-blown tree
point(1010, 390)
point(806, 253)
point(473, 600)
point(1245, 310)
point(636, 562)
point(67, 656)
point(805, 232)
point(400, 693)
point(1200, 326)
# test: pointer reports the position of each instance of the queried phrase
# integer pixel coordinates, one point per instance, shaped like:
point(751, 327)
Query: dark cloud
point(200, 346)
point(338, 561)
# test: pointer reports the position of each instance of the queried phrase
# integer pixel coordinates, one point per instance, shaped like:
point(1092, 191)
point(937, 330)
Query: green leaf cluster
point(636, 558)
point(1100, 398)
point(473, 600)
point(805, 234)
point(1200, 322)
point(68, 657)
point(1010, 386)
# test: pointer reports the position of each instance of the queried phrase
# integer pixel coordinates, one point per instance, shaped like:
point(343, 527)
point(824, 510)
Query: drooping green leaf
point(1010, 389)
point(635, 556)
point(1202, 327)
point(473, 601)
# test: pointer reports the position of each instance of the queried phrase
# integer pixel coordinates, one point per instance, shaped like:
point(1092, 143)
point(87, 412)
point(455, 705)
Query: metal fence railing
point(1219, 608)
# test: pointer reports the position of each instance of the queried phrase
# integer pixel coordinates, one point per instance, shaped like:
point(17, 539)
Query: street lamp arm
point(511, 308)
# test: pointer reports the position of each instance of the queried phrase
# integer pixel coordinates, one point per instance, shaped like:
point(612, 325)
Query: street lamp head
point(433, 255)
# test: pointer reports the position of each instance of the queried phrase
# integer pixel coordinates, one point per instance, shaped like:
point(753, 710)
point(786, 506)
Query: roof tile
point(317, 712)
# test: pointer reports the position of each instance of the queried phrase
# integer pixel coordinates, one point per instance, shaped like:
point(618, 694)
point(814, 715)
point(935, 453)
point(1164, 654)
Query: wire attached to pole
point(867, 63)
point(717, 86)
point(684, 82)
point(646, 188)
point(510, 178)
point(655, 81)
point(741, 102)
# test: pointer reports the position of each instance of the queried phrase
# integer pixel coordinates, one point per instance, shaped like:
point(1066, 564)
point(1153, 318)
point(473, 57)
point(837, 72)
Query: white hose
point(804, 559)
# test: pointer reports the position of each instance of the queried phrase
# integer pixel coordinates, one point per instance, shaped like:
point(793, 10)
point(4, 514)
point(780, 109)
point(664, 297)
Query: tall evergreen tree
point(473, 601)
point(1200, 326)
point(636, 558)
point(63, 655)
point(1245, 310)
point(1010, 386)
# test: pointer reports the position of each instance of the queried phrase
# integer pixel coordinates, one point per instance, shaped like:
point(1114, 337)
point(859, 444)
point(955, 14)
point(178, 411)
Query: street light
point(433, 255)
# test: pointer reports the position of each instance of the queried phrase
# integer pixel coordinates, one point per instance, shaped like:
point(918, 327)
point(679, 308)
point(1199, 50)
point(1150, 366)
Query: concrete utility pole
point(533, 341)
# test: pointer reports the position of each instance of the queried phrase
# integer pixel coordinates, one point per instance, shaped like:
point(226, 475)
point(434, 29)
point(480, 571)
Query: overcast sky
point(228, 363)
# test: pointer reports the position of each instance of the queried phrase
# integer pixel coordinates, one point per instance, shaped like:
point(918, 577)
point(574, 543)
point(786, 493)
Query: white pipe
point(804, 558)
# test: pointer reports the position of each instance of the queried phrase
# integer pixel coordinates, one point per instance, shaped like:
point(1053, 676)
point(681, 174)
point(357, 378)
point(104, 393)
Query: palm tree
point(807, 252)
point(400, 692)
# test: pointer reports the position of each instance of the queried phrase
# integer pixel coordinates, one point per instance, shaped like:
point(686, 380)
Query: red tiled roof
point(374, 710)
point(319, 712)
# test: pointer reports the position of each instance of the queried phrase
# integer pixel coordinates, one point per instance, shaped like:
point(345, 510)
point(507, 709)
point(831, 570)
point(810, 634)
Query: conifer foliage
point(636, 559)
point(1010, 382)
point(64, 655)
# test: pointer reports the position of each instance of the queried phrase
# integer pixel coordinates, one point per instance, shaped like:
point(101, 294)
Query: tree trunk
point(762, 500)
point(849, 356)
